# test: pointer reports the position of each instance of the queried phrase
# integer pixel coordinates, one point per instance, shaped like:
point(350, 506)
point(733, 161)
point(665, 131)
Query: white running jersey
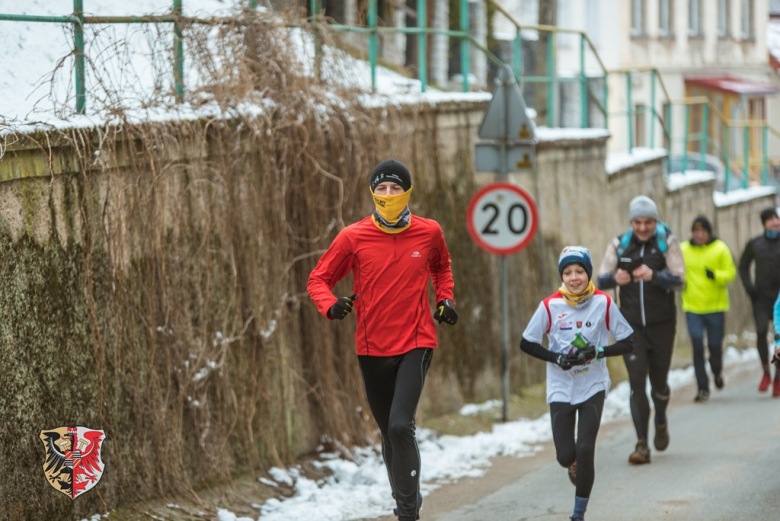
point(594, 320)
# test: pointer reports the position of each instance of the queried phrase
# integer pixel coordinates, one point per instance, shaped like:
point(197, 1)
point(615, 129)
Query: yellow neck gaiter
point(575, 300)
point(392, 214)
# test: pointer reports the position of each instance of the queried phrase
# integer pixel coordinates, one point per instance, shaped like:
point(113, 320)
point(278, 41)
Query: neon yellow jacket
point(702, 294)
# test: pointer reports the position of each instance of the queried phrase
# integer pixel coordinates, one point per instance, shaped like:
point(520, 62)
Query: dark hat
point(702, 222)
point(768, 214)
point(391, 171)
point(575, 255)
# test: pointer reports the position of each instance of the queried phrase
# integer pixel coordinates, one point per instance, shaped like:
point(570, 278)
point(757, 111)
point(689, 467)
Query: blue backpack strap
point(662, 232)
point(625, 240)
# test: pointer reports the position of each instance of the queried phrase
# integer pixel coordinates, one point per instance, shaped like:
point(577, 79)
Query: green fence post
point(518, 54)
point(653, 113)
point(704, 138)
point(315, 8)
point(726, 159)
point(686, 137)
point(422, 44)
point(178, 52)
point(746, 161)
point(551, 81)
point(78, 41)
point(668, 118)
point(465, 46)
point(764, 152)
point(583, 86)
point(630, 104)
point(372, 43)
point(253, 4)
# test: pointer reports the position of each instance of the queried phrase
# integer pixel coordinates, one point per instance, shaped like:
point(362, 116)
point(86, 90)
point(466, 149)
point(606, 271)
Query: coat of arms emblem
point(72, 464)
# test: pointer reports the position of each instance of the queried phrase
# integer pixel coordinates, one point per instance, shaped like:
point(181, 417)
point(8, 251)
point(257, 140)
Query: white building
point(712, 48)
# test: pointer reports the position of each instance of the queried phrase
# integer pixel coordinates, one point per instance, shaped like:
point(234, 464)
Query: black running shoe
point(718, 382)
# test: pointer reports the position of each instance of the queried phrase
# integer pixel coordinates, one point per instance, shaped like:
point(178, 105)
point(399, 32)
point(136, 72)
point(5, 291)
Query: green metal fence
point(752, 161)
point(79, 20)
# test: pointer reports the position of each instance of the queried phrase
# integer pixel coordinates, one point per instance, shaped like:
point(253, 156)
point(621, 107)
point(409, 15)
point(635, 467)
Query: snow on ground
point(359, 489)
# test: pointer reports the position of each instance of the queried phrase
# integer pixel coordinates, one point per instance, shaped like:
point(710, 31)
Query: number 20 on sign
point(502, 218)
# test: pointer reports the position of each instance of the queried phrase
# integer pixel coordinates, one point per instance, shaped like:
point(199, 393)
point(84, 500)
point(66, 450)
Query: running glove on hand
point(445, 312)
point(589, 353)
point(566, 362)
point(710, 273)
point(342, 307)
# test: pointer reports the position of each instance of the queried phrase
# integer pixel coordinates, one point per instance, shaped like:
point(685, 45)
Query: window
point(694, 18)
point(665, 24)
point(637, 17)
point(747, 19)
point(723, 18)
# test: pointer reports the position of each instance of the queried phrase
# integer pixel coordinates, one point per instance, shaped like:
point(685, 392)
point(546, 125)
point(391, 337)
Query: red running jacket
point(391, 274)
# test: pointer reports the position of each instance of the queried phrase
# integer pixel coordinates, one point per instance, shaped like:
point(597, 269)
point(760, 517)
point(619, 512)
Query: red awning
point(732, 85)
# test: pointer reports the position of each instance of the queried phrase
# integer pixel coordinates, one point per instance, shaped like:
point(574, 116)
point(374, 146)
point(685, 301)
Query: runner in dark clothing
point(392, 255)
point(646, 263)
point(764, 251)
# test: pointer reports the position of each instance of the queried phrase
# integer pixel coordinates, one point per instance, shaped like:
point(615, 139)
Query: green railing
point(658, 124)
point(79, 21)
point(741, 145)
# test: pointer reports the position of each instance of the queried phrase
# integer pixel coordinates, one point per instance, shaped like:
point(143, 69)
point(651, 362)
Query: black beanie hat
point(391, 171)
point(702, 222)
point(768, 214)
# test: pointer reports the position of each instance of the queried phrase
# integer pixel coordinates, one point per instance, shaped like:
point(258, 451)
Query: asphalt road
point(723, 463)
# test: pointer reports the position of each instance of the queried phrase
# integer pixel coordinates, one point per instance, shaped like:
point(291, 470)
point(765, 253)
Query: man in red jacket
point(392, 255)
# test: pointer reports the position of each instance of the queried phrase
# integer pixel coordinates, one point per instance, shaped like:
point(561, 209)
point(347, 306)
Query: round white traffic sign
point(502, 218)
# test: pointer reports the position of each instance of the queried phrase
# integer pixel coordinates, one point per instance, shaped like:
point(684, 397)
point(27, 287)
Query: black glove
point(566, 362)
point(445, 312)
point(710, 273)
point(589, 353)
point(776, 358)
point(342, 307)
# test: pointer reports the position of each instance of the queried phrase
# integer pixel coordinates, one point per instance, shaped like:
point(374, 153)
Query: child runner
point(577, 320)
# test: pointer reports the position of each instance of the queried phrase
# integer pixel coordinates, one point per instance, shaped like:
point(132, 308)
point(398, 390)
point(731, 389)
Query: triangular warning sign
point(505, 117)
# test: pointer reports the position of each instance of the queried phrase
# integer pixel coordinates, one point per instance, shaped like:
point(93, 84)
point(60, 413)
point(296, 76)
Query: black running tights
point(393, 388)
point(651, 358)
point(588, 418)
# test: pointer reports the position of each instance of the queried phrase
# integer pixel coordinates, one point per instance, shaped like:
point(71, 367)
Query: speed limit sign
point(502, 218)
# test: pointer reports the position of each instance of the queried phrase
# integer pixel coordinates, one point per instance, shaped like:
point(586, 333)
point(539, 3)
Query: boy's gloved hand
point(445, 312)
point(342, 307)
point(566, 362)
point(590, 352)
point(710, 273)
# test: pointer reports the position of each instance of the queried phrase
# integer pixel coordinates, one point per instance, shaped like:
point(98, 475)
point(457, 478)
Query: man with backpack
point(646, 264)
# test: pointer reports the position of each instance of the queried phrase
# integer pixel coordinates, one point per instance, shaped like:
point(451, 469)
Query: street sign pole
point(506, 123)
point(502, 176)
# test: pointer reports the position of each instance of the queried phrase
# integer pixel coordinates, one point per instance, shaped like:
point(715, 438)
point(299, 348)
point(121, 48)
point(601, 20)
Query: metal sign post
point(502, 217)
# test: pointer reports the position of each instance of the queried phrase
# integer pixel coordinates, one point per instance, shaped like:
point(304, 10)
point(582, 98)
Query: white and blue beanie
point(575, 255)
